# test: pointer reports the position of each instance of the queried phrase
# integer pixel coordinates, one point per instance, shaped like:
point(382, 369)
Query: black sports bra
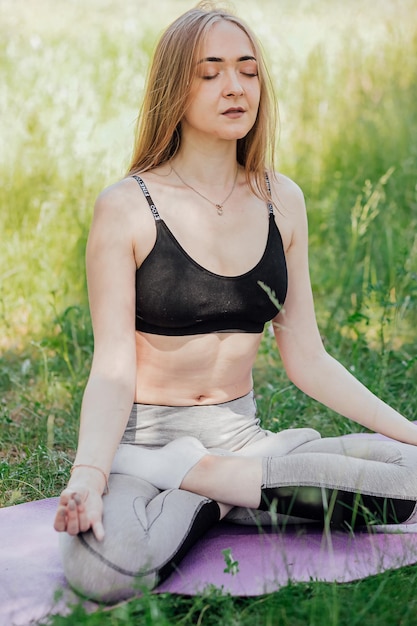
point(177, 296)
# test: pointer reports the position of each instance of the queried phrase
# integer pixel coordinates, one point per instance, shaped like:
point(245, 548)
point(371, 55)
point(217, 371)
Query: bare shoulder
point(287, 195)
point(118, 200)
point(122, 219)
point(290, 209)
point(123, 207)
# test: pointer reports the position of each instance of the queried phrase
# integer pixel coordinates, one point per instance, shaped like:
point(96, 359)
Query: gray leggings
point(346, 480)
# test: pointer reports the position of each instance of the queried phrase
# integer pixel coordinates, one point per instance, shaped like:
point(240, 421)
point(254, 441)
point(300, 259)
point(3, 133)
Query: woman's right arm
point(109, 393)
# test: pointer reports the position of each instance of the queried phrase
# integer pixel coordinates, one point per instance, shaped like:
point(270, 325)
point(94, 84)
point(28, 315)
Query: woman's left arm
point(306, 362)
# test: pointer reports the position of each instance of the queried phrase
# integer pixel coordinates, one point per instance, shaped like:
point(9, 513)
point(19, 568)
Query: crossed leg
point(148, 531)
point(295, 468)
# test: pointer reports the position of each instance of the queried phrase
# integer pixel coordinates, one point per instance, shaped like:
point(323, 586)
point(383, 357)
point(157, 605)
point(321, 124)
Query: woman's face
point(225, 93)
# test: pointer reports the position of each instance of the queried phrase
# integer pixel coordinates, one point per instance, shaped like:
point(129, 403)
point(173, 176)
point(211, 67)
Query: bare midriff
point(194, 370)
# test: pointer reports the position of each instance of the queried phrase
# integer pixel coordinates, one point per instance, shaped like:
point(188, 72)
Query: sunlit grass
point(72, 79)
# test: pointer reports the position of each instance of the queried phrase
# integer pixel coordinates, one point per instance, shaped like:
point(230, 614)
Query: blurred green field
point(72, 74)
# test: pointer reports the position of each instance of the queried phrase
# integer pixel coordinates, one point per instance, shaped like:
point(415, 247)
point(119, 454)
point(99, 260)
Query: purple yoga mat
point(31, 573)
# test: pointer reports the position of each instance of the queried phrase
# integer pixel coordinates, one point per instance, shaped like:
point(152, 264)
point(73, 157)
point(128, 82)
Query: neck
point(215, 175)
point(209, 163)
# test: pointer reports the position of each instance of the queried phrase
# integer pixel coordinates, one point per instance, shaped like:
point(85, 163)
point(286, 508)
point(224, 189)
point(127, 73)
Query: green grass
point(382, 599)
point(72, 75)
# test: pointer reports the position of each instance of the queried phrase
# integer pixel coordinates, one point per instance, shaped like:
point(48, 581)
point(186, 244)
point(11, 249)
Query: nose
point(232, 85)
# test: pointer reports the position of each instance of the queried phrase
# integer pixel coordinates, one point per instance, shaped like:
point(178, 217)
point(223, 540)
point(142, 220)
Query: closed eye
point(249, 68)
point(248, 74)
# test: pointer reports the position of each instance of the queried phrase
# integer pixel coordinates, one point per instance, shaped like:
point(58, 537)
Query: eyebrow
point(220, 60)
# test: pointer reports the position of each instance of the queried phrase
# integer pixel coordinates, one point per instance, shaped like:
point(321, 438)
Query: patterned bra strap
point(268, 186)
point(148, 197)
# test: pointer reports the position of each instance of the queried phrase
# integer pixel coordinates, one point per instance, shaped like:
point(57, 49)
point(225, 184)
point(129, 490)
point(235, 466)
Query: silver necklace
point(220, 206)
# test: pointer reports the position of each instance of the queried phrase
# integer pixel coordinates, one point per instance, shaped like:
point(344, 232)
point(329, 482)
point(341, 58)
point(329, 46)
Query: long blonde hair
point(158, 130)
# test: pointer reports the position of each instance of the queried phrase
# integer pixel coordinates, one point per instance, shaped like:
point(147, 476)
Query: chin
point(235, 135)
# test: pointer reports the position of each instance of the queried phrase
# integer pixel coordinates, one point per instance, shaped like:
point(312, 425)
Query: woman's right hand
point(80, 508)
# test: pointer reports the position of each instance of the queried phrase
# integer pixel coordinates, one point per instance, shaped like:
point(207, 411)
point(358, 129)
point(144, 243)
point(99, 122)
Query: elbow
point(303, 369)
point(114, 368)
point(120, 383)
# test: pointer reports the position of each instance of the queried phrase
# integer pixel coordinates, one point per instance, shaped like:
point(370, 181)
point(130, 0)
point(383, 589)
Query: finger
point(60, 522)
point(65, 497)
point(98, 530)
point(77, 499)
point(73, 527)
point(84, 519)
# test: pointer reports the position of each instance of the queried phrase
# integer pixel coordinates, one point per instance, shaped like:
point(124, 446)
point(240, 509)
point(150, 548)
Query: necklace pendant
point(219, 209)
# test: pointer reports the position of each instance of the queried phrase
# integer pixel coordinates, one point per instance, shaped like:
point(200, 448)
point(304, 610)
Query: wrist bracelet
point(106, 490)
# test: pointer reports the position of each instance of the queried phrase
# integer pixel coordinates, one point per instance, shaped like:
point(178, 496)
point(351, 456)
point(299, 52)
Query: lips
point(234, 113)
point(234, 110)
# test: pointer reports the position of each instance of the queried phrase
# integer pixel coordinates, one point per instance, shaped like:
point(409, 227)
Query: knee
point(119, 566)
point(95, 570)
